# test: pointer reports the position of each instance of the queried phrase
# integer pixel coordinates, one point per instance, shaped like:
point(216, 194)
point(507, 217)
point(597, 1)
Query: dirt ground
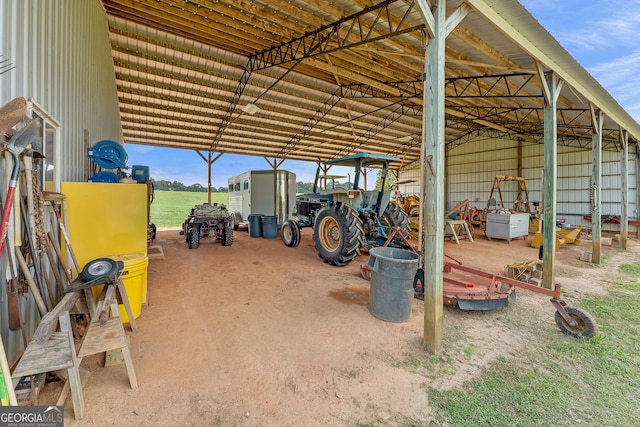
point(258, 334)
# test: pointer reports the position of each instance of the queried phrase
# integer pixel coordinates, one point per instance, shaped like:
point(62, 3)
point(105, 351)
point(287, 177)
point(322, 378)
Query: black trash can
point(255, 225)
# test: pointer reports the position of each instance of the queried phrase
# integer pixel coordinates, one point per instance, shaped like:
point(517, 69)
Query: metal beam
point(514, 21)
point(345, 33)
point(404, 89)
point(242, 83)
point(311, 123)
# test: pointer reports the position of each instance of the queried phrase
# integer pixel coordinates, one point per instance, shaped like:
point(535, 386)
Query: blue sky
point(602, 36)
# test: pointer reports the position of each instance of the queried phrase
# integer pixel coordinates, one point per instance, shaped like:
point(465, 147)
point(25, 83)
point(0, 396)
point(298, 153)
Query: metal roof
point(319, 80)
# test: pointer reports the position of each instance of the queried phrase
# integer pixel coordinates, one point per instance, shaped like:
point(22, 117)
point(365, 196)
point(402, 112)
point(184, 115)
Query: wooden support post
point(551, 88)
point(637, 211)
point(597, 118)
point(624, 175)
point(210, 161)
point(433, 176)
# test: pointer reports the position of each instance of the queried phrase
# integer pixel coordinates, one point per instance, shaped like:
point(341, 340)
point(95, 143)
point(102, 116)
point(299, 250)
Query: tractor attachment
point(474, 289)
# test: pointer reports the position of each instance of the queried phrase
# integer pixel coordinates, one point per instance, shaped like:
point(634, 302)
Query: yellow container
point(135, 283)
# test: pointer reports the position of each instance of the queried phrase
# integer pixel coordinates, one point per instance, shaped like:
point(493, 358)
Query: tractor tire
point(227, 235)
point(290, 234)
point(338, 234)
point(586, 325)
point(394, 216)
point(194, 237)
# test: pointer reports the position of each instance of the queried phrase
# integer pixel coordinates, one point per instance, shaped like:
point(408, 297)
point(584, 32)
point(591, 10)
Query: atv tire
point(338, 234)
point(194, 237)
point(227, 235)
point(394, 216)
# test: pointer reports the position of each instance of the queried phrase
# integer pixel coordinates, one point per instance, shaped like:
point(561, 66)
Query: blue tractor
point(345, 220)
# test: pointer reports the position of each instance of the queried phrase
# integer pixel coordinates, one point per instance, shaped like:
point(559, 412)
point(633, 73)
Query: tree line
point(301, 187)
point(164, 185)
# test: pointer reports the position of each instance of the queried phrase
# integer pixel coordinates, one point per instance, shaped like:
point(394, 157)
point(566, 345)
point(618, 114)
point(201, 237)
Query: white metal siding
point(62, 57)
point(470, 169)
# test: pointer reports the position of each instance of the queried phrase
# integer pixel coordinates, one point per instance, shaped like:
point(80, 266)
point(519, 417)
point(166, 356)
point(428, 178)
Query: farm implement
point(471, 288)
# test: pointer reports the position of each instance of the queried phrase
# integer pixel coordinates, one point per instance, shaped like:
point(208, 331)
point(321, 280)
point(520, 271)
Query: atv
point(345, 220)
point(205, 220)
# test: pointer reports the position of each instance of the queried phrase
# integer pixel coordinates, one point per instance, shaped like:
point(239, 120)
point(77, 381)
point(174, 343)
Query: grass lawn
point(170, 208)
point(562, 381)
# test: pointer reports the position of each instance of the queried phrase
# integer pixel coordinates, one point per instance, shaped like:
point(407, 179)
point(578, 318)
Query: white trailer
point(262, 192)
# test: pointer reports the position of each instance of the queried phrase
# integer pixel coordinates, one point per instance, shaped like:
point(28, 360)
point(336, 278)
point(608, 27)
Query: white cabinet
point(507, 226)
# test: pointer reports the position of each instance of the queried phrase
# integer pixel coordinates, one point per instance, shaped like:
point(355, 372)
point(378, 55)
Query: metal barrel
point(392, 274)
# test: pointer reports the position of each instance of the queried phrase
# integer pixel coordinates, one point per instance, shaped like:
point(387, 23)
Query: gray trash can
point(255, 225)
point(392, 273)
point(269, 226)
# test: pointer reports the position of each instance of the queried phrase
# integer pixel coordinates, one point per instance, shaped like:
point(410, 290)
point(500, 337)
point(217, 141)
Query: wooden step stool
point(49, 350)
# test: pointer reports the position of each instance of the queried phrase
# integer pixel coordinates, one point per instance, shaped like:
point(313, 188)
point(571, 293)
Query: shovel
point(25, 137)
point(11, 113)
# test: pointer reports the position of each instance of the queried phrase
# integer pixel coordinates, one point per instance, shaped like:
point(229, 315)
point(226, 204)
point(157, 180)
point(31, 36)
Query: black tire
point(418, 282)
point(394, 216)
point(99, 267)
point(227, 235)
point(586, 325)
point(185, 230)
point(338, 234)
point(193, 237)
point(290, 233)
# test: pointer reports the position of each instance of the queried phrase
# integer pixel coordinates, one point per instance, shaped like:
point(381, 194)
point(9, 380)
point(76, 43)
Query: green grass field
point(170, 208)
point(561, 381)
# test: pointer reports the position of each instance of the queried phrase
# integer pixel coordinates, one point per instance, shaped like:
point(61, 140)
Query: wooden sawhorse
point(457, 227)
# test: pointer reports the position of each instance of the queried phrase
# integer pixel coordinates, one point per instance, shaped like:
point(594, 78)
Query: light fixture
point(250, 108)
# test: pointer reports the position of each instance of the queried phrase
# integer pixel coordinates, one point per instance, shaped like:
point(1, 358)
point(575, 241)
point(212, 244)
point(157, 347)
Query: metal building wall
point(471, 167)
point(62, 58)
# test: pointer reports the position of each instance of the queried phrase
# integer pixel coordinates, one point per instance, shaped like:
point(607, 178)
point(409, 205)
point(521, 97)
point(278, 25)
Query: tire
point(237, 219)
point(227, 235)
point(338, 234)
point(418, 281)
point(99, 267)
point(185, 230)
point(394, 216)
point(586, 327)
point(193, 236)
point(290, 234)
